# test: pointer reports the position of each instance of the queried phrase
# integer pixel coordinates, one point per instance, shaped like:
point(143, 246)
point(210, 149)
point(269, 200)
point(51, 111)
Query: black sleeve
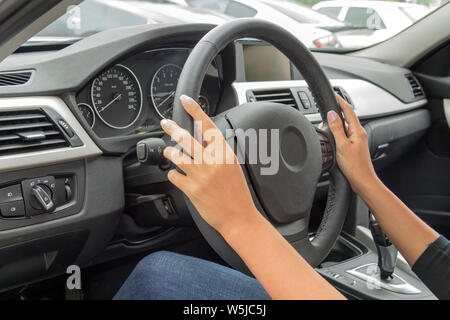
point(433, 268)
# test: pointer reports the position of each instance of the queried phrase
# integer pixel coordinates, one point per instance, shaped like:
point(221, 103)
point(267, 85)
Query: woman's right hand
point(352, 150)
point(212, 177)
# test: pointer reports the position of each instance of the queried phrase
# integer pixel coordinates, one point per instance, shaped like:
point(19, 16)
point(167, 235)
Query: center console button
point(12, 193)
point(12, 209)
point(44, 197)
point(39, 195)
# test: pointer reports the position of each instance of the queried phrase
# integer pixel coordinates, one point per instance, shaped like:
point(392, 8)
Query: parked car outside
point(378, 20)
point(343, 35)
point(308, 28)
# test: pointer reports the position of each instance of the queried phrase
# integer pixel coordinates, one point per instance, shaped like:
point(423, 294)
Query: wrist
point(239, 228)
point(367, 185)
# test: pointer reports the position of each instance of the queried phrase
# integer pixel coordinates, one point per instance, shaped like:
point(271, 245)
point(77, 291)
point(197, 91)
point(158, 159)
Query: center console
point(352, 267)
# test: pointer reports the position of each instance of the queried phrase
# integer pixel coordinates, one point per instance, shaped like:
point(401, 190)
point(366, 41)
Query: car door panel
point(422, 177)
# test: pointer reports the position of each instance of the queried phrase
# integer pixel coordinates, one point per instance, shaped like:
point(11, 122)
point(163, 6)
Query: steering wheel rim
point(313, 250)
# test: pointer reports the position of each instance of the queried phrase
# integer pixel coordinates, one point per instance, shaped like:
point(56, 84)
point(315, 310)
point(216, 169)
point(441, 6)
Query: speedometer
point(117, 97)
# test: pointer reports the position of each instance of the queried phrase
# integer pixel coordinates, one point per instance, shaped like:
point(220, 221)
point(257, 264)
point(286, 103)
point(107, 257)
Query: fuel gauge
point(88, 113)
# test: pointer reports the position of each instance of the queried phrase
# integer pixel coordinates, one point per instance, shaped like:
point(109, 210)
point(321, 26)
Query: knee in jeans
point(153, 264)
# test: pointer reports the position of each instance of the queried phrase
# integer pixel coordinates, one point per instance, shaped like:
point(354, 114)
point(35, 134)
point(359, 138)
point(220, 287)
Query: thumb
point(336, 126)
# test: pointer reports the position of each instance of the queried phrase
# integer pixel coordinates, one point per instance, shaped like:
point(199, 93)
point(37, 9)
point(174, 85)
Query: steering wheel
point(285, 198)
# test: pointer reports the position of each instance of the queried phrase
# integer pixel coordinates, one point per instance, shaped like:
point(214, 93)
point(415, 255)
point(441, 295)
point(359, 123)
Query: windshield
point(301, 13)
point(323, 25)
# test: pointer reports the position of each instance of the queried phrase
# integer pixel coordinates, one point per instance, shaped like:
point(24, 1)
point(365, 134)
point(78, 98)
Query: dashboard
point(116, 113)
point(133, 95)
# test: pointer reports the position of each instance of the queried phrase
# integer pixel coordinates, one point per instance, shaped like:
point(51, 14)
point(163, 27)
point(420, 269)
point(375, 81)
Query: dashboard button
point(306, 104)
point(302, 95)
point(39, 195)
point(141, 151)
point(12, 193)
point(304, 99)
point(68, 190)
point(44, 197)
point(65, 126)
point(12, 209)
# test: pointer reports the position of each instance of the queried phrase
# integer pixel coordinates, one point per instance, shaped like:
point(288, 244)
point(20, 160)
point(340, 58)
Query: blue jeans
point(171, 276)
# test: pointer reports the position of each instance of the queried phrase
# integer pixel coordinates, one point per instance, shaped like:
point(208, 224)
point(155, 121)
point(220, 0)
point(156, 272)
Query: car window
point(239, 10)
point(331, 11)
point(364, 18)
point(323, 32)
point(91, 17)
point(414, 13)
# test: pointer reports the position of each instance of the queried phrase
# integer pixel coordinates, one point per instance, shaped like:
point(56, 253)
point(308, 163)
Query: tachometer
point(163, 87)
point(117, 97)
point(162, 91)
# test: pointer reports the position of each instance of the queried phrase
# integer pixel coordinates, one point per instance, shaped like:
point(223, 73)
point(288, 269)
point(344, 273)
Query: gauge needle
point(168, 97)
point(112, 101)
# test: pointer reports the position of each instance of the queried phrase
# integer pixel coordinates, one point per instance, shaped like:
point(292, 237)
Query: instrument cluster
point(134, 95)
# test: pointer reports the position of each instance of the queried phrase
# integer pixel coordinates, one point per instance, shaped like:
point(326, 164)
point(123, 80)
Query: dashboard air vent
point(415, 86)
point(340, 91)
point(26, 131)
point(14, 78)
point(283, 96)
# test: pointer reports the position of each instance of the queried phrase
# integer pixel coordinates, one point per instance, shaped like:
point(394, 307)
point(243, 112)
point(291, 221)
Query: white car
point(380, 19)
point(308, 32)
point(306, 15)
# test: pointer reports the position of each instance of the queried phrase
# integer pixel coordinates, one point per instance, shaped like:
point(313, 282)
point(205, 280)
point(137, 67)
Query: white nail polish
point(164, 122)
point(184, 98)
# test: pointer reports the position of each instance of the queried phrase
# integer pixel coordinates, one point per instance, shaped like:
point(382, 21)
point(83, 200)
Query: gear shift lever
point(387, 252)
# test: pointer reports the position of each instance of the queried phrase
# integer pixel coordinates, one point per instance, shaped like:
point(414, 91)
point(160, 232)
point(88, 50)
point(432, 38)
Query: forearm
point(407, 232)
point(274, 262)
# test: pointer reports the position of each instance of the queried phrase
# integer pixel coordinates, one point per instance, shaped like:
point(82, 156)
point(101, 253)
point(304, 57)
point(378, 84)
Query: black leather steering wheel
point(285, 198)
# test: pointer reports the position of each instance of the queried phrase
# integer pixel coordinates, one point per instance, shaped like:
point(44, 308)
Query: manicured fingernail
point(184, 98)
point(164, 122)
point(332, 116)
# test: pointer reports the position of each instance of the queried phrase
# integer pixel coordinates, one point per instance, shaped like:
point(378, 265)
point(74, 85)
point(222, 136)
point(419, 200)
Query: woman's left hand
point(213, 179)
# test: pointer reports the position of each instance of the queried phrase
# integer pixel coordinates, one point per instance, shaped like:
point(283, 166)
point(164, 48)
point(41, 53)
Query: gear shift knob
point(387, 252)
